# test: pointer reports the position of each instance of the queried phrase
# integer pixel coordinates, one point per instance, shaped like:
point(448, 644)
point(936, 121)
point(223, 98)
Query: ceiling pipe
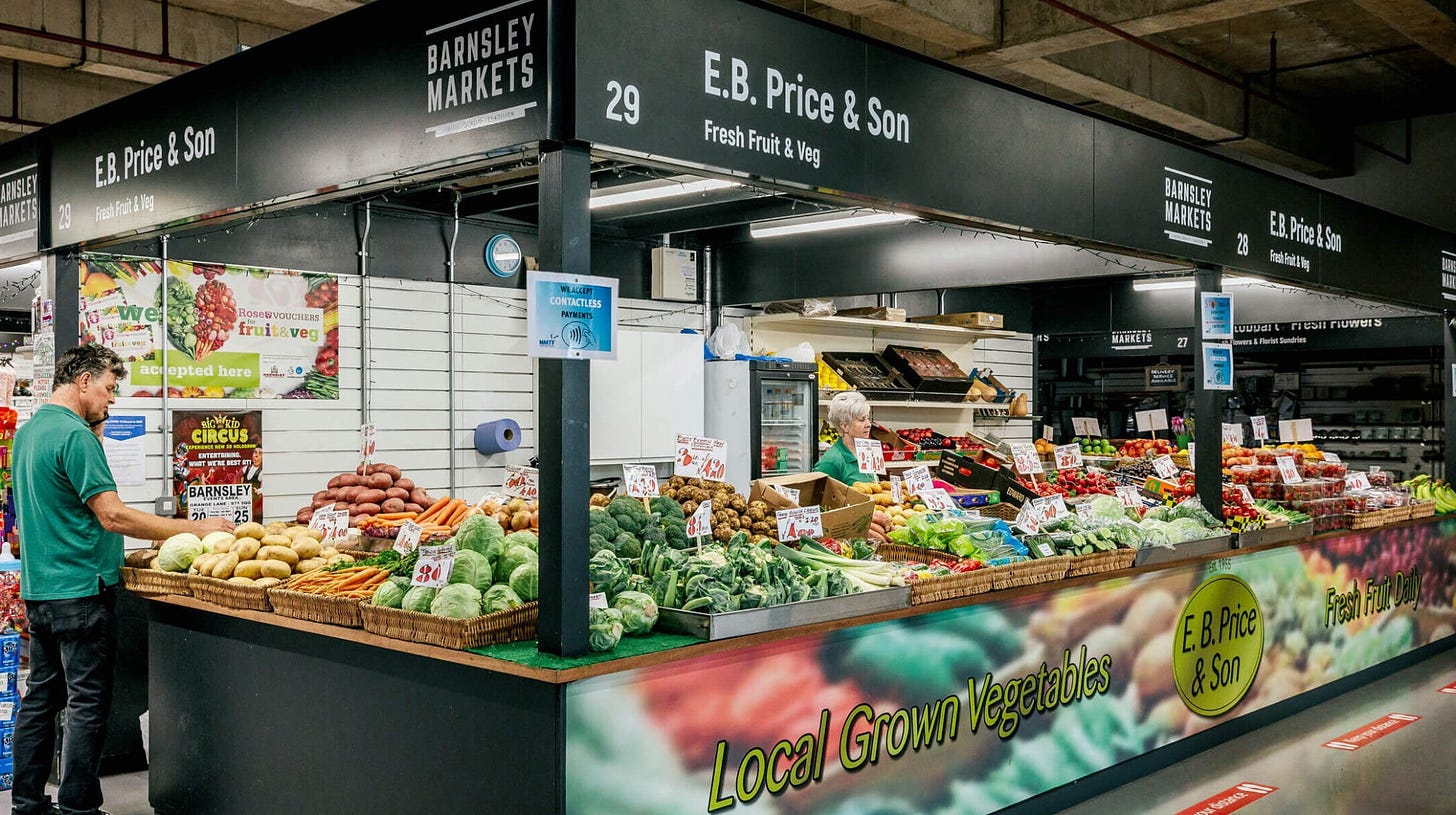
point(82, 42)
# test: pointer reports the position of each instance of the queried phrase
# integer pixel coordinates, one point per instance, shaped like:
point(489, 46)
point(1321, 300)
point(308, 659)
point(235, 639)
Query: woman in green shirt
point(849, 413)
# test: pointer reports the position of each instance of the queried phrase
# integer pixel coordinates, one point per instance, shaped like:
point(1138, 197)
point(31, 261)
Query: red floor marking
point(1230, 799)
point(1451, 688)
point(1384, 726)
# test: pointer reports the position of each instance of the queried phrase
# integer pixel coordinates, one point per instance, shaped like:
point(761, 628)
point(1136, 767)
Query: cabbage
point(178, 552)
point(473, 569)
point(499, 597)
point(513, 556)
point(458, 600)
point(418, 599)
point(481, 533)
point(604, 629)
point(525, 580)
point(389, 594)
point(527, 539)
point(639, 612)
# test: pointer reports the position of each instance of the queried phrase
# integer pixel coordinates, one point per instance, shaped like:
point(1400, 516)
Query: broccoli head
point(668, 508)
point(599, 522)
point(629, 514)
point(626, 545)
point(653, 534)
point(676, 533)
point(596, 543)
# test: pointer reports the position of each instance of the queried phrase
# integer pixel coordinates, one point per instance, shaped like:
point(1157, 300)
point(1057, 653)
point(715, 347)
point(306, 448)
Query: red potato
point(355, 520)
point(366, 509)
point(367, 496)
point(320, 503)
point(320, 495)
point(335, 481)
point(419, 496)
point(348, 480)
point(412, 507)
point(304, 516)
point(393, 505)
point(361, 470)
point(371, 469)
point(379, 481)
point(406, 484)
point(397, 492)
point(332, 495)
point(394, 472)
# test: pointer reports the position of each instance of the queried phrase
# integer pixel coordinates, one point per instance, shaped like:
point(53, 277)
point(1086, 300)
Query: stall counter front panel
point(972, 709)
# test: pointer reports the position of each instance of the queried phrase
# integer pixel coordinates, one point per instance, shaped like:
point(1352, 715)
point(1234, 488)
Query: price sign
point(796, 523)
point(434, 566)
point(1233, 434)
point(1025, 459)
point(917, 480)
point(1057, 504)
point(1292, 431)
point(938, 500)
point(497, 498)
point(871, 456)
point(1041, 511)
point(700, 525)
point(700, 457)
point(597, 599)
point(1165, 468)
point(334, 523)
point(1084, 511)
point(1288, 470)
point(1332, 458)
point(521, 482)
point(408, 538)
point(1068, 456)
point(1047, 432)
point(787, 492)
point(1245, 494)
point(231, 501)
point(641, 480)
point(1261, 428)
point(1357, 481)
point(1129, 496)
point(1086, 427)
point(1028, 518)
point(367, 443)
point(1151, 420)
point(1374, 469)
point(896, 494)
point(1041, 548)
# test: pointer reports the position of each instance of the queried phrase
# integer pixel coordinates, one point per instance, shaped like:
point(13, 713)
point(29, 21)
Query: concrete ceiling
point(1286, 81)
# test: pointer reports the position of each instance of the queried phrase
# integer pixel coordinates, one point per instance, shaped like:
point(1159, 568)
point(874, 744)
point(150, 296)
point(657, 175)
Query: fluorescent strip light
point(1162, 285)
point(655, 190)
point(824, 223)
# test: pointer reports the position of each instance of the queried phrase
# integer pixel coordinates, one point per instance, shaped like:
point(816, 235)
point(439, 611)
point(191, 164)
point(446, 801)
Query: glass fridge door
point(788, 410)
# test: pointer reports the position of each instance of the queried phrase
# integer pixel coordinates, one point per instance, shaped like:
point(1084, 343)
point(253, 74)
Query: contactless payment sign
point(1218, 645)
point(571, 316)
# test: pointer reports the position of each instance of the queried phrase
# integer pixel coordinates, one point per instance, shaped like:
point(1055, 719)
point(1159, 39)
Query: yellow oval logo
point(1218, 645)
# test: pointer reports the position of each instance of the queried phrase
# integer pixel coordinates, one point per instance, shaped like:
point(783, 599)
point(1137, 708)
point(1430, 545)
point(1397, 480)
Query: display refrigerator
point(767, 412)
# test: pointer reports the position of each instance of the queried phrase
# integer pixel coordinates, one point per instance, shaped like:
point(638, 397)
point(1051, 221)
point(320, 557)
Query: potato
point(348, 480)
point(313, 564)
point(340, 559)
point(200, 563)
point(304, 515)
point(396, 492)
point(406, 484)
point(249, 568)
point(327, 552)
point(335, 481)
point(394, 472)
point(370, 496)
point(361, 469)
point(419, 496)
point(278, 538)
point(346, 494)
point(520, 520)
point(282, 553)
point(380, 481)
point(224, 567)
point(251, 529)
point(366, 509)
point(275, 568)
point(412, 507)
point(392, 505)
point(268, 582)
point(275, 528)
point(307, 547)
point(355, 520)
point(241, 581)
point(320, 503)
point(246, 548)
point(320, 495)
point(305, 532)
point(140, 558)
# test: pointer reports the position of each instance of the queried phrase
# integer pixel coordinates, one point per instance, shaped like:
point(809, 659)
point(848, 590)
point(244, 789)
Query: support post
point(564, 401)
point(1208, 405)
point(1448, 397)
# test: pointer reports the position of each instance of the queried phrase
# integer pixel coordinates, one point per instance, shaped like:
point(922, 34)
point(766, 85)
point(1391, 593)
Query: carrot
point(395, 516)
point(457, 516)
point(437, 509)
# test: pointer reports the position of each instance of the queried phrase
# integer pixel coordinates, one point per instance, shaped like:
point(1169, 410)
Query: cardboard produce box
point(963, 471)
point(965, 319)
point(846, 512)
point(1013, 491)
point(899, 448)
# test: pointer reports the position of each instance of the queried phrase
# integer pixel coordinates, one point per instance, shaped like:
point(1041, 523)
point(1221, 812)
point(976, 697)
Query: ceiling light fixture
point(1170, 284)
point(824, 222)
point(656, 190)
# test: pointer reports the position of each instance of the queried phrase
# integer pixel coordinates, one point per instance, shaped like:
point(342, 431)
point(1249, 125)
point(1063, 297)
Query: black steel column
point(564, 400)
point(1208, 406)
point(1448, 397)
point(65, 306)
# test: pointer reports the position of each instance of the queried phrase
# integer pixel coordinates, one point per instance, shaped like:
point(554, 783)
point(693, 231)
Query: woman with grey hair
point(849, 413)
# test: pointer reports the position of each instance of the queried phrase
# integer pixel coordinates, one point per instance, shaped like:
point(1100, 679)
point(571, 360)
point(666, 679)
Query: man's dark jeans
point(72, 668)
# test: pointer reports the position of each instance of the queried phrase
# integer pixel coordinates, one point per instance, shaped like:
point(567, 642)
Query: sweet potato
point(335, 481)
point(413, 507)
point(366, 509)
point(397, 492)
point(407, 484)
point(379, 481)
point(320, 495)
point(371, 469)
point(367, 496)
point(304, 516)
point(393, 505)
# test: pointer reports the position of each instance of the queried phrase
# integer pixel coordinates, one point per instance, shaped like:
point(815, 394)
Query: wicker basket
point(949, 587)
point(515, 625)
point(1030, 572)
point(1423, 509)
point(899, 552)
point(231, 595)
point(317, 608)
point(1369, 520)
point(1098, 562)
point(152, 581)
point(1399, 513)
point(1003, 510)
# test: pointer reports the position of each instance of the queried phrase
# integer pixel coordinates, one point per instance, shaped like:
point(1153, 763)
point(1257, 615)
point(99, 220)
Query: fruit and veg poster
point(224, 331)
point(969, 710)
point(217, 464)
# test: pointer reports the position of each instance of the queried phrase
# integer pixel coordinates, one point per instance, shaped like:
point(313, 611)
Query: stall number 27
point(625, 104)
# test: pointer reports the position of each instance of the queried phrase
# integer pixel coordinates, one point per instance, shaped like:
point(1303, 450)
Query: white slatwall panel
point(1011, 361)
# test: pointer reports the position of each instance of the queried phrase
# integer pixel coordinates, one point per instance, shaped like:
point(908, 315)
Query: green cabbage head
point(389, 594)
point(178, 552)
point(481, 533)
point(513, 556)
point(639, 612)
point(604, 629)
point(473, 569)
point(526, 580)
point(418, 599)
point(458, 600)
point(499, 597)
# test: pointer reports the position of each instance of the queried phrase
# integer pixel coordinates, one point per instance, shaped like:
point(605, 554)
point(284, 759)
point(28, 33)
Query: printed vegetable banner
point(974, 709)
point(231, 331)
point(217, 464)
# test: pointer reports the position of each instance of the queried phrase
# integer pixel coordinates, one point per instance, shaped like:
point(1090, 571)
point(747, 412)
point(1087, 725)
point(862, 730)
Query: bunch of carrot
point(357, 583)
point(447, 512)
point(441, 519)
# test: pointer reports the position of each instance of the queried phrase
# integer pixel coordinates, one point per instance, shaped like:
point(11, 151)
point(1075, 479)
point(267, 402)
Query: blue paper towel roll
point(499, 436)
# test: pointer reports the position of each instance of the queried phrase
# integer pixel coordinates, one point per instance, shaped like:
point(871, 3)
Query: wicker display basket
point(317, 608)
point(951, 586)
point(1399, 513)
point(1003, 510)
point(515, 625)
point(899, 553)
point(1369, 520)
point(1098, 562)
point(154, 582)
point(1029, 572)
point(1423, 509)
point(231, 595)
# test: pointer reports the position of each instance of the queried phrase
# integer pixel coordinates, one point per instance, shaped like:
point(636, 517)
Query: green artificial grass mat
point(525, 653)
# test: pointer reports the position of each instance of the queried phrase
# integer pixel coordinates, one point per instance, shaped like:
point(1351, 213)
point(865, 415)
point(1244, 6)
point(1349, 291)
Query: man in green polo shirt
point(71, 526)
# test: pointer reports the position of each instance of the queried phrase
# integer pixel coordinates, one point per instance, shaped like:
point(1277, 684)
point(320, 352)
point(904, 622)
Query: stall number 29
point(626, 103)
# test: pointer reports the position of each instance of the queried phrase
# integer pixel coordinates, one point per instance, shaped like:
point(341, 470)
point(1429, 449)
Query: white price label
point(1245, 494)
point(1293, 431)
point(1057, 503)
point(1150, 420)
point(896, 494)
point(1084, 511)
point(408, 537)
point(1332, 458)
point(796, 523)
point(871, 456)
point(231, 501)
point(1191, 451)
point(1288, 470)
point(787, 492)
point(1025, 459)
point(1041, 511)
point(938, 500)
point(1233, 434)
point(1261, 428)
point(917, 480)
point(1357, 481)
point(1028, 518)
point(700, 523)
point(521, 482)
point(1086, 427)
point(597, 599)
point(1165, 468)
point(368, 444)
point(434, 566)
point(641, 480)
point(497, 498)
point(1129, 496)
point(334, 523)
point(1047, 433)
point(1068, 456)
point(701, 457)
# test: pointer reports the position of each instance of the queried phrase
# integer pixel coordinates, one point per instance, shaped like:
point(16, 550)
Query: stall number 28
point(626, 103)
